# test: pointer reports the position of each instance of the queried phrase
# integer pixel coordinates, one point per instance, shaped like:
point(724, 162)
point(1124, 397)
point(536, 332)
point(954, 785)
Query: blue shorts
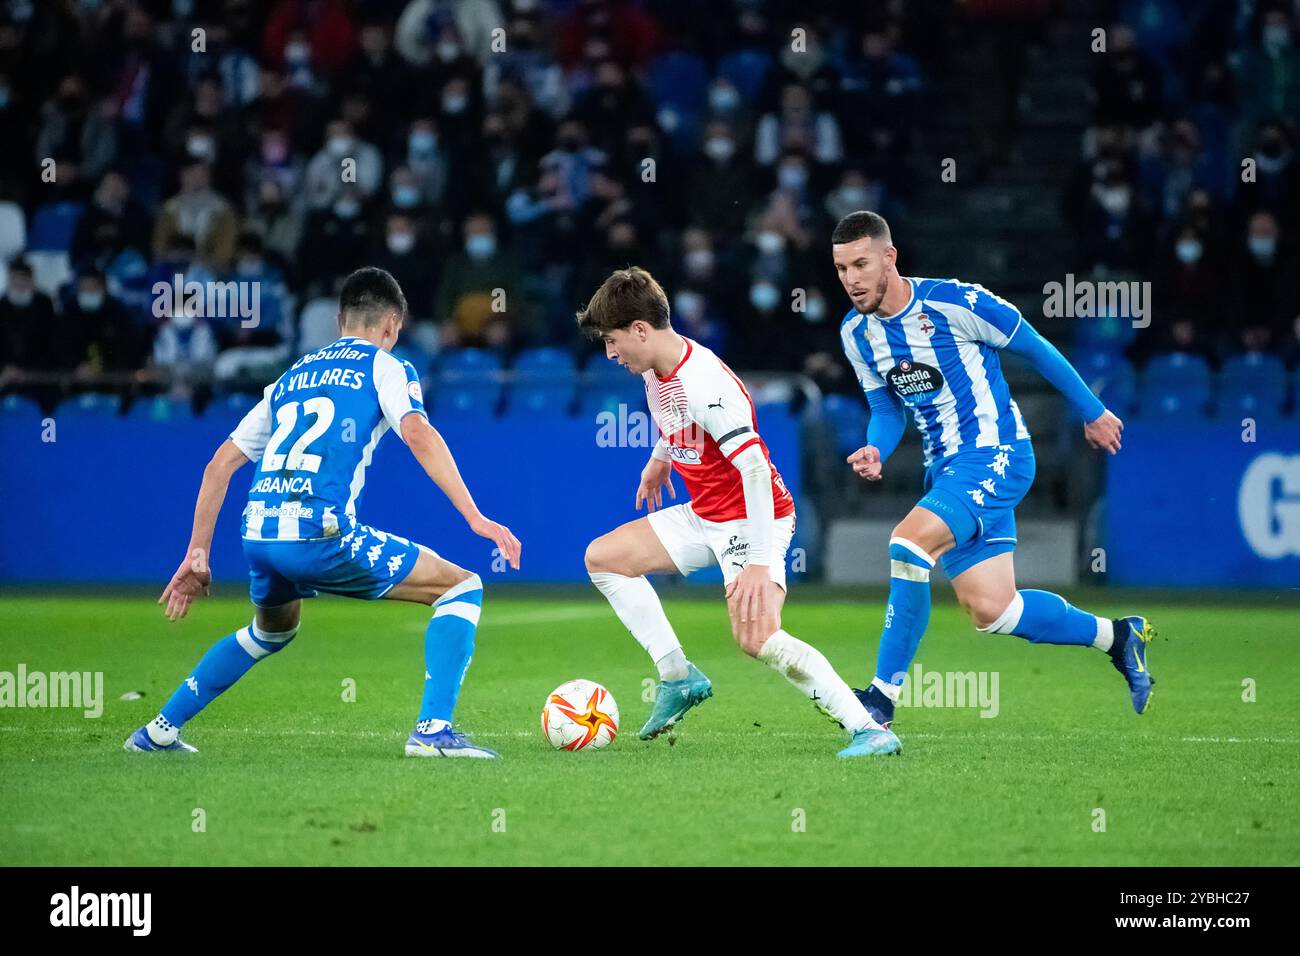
point(364, 563)
point(975, 492)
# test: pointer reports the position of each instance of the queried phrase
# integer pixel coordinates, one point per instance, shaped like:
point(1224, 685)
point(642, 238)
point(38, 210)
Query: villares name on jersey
point(314, 433)
point(939, 356)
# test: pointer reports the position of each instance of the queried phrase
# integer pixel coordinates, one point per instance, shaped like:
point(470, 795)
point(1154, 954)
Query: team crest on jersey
point(413, 389)
point(913, 381)
point(925, 325)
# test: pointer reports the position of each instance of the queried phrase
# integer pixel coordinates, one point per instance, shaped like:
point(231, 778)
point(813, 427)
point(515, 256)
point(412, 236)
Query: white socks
point(638, 607)
point(162, 731)
point(672, 666)
point(809, 670)
point(1105, 638)
point(892, 691)
point(431, 726)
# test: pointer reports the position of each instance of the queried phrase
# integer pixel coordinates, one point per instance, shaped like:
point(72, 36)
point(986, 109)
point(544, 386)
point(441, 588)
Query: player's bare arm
point(431, 451)
point(193, 578)
point(656, 477)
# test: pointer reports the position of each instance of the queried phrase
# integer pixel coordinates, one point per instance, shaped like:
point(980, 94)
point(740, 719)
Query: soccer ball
point(580, 715)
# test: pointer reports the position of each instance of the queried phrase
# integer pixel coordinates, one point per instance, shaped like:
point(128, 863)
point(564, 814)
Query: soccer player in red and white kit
point(740, 514)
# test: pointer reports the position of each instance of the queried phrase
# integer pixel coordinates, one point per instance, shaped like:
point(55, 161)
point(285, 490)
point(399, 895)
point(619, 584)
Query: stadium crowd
point(499, 157)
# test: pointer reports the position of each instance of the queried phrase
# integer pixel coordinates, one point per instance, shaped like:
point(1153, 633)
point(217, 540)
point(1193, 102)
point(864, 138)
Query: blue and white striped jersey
point(939, 355)
point(314, 433)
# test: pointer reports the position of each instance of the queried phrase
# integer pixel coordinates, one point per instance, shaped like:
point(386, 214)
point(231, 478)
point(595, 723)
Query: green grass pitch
point(291, 773)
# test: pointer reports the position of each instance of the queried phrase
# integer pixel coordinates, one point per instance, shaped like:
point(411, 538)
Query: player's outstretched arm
point(1102, 429)
point(435, 458)
point(193, 578)
point(884, 431)
point(655, 477)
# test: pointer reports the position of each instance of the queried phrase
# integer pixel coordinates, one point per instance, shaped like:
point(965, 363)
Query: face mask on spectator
point(769, 243)
point(815, 311)
point(699, 261)
point(851, 197)
point(447, 51)
point(184, 319)
point(341, 144)
point(422, 142)
point(454, 103)
point(690, 305)
point(347, 208)
point(21, 297)
point(297, 53)
point(4, 97)
point(763, 296)
point(724, 99)
point(249, 267)
point(90, 301)
point(1114, 200)
point(719, 149)
point(481, 246)
point(201, 147)
point(406, 197)
point(275, 152)
point(1262, 247)
point(1188, 251)
point(400, 243)
point(792, 178)
point(1277, 37)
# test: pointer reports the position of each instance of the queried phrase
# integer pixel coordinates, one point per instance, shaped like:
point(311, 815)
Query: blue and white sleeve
point(885, 429)
point(1052, 365)
point(398, 385)
point(254, 430)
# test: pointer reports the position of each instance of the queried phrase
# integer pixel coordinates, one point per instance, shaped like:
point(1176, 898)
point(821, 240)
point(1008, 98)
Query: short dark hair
point(368, 295)
point(626, 296)
point(862, 224)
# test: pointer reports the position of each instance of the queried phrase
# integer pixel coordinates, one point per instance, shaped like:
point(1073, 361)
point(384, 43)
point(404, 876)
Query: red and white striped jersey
point(705, 419)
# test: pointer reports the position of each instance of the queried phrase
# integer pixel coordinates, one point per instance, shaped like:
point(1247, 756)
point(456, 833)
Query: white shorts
point(694, 543)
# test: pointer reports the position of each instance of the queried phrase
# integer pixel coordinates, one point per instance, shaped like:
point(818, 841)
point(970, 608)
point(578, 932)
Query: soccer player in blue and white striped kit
point(931, 345)
point(313, 435)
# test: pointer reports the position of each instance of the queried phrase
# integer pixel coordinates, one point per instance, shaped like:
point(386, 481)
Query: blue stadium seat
point(678, 80)
point(545, 360)
point(1252, 385)
point(747, 71)
point(53, 226)
point(847, 419)
point(469, 364)
point(161, 408)
point(545, 382)
point(20, 406)
point(1118, 388)
point(607, 395)
point(1175, 385)
point(1179, 370)
point(475, 400)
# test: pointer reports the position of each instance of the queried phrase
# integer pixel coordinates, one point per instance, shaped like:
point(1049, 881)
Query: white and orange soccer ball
point(580, 715)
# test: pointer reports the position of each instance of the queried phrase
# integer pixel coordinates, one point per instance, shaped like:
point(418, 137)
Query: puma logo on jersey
point(717, 404)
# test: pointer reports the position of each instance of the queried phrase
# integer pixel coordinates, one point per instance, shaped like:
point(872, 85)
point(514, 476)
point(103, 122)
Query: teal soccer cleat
point(872, 741)
point(1129, 655)
point(674, 698)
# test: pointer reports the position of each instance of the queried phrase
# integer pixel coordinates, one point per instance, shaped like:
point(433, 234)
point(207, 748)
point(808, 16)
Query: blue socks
point(225, 662)
point(908, 612)
point(1042, 617)
point(448, 648)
